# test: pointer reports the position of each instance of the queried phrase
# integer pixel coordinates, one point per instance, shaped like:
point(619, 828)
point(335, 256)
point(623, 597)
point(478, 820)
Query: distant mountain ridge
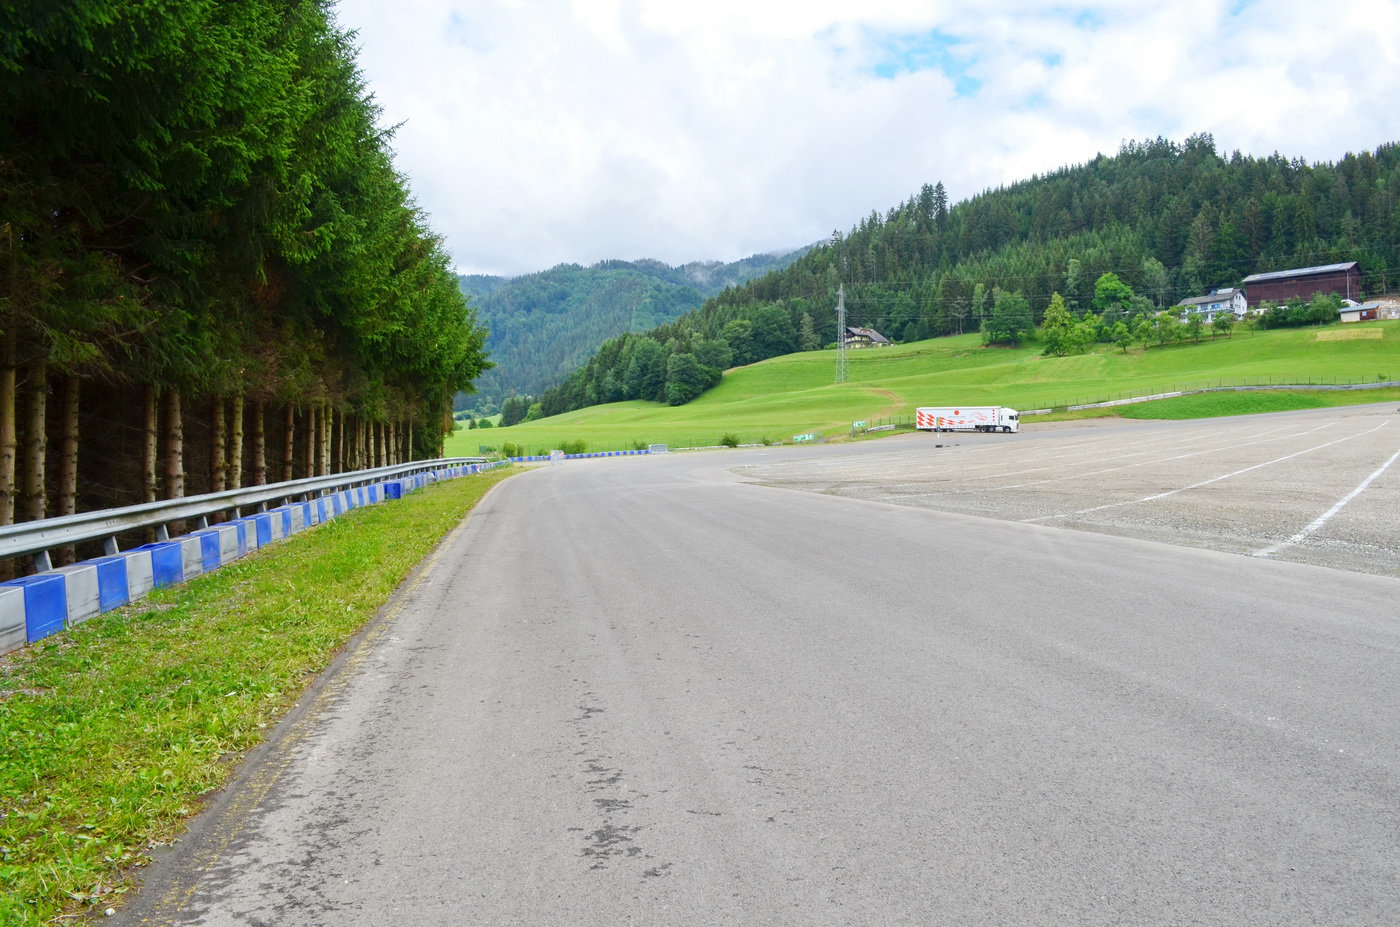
point(542, 326)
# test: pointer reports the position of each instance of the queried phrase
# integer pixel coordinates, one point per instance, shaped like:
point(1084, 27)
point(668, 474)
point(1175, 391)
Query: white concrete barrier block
point(12, 634)
point(139, 575)
point(80, 587)
point(191, 556)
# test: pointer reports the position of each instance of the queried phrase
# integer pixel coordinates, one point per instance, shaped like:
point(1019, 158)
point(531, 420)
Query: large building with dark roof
point(1303, 283)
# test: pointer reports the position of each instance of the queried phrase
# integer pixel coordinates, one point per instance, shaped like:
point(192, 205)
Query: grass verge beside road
point(111, 733)
point(1216, 405)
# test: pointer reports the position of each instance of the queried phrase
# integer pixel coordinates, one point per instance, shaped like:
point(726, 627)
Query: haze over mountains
point(545, 325)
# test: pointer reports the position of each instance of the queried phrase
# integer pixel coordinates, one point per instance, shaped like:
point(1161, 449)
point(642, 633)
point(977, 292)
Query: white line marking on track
point(1327, 516)
point(1209, 450)
point(1214, 479)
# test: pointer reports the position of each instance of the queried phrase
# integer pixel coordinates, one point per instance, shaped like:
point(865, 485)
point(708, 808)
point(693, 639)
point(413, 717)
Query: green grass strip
point(1216, 405)
point(110, 733)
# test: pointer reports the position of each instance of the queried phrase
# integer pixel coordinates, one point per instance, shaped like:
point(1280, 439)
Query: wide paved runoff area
point(656, 691)
point(1321, 486)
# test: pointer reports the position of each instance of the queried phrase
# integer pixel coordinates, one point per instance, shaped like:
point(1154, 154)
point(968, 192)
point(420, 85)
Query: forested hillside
point(544, 325)
point(1170, 220)
point(210, 272)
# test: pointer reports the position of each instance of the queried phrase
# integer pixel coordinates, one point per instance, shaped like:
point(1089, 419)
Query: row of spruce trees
point(1169, 220)
point(210, 273)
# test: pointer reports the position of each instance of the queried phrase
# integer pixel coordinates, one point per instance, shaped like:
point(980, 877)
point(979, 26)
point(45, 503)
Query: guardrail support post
point(161, 533)
point(42, 563)
point(109, 546)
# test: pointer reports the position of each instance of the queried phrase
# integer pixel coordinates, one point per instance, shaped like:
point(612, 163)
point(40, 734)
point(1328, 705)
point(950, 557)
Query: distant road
point(645, 691)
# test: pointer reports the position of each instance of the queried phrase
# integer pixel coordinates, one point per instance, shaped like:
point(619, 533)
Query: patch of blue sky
point(1086, 19)
point(928, 51)
point(466, 33)
point(1089, 20)
point(1033, 102)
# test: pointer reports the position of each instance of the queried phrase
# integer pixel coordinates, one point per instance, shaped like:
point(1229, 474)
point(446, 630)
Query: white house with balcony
point(1229, 299)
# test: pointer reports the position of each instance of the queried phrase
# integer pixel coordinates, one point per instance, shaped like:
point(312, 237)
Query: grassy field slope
point(794, 394)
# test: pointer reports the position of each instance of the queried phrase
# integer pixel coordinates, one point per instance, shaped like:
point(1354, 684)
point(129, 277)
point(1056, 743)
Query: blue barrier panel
point(286, 522)
point(112, 588)
point(262, 523)
point(393, 490)
point(209, 558)
point(167, 563)
point(45, 604)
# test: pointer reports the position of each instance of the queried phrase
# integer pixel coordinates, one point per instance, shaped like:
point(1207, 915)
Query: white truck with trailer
point(967, 418)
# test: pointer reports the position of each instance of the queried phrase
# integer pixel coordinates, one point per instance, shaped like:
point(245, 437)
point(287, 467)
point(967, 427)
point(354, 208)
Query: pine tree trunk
point(174, 446)
point(235, 445)
point(8, 438)
point(150, 431)
point(33, 498)
point(327, 420)
point(259, 445)
point(289, 426)
point(309, 468)
point(338, 455)
point(218, 464)
point(174, 454)
point(68, 456)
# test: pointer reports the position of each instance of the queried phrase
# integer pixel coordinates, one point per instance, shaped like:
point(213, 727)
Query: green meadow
point(795, 394)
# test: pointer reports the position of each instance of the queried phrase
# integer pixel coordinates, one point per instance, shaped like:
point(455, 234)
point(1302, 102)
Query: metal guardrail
point(40, 537)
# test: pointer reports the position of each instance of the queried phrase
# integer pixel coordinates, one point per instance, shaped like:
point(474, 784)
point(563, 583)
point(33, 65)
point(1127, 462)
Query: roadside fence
point(52, 599)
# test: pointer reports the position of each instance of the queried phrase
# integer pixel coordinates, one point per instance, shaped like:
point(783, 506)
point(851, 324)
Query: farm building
point(1374, 310)
point(864, 338)
point(1303, 283)
point(1229, 299)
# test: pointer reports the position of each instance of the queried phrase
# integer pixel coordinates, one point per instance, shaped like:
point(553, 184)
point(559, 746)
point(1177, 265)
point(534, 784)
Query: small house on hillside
point(864, 338)
point(1375, 310)
point(1304, 283)
point(1229, 299)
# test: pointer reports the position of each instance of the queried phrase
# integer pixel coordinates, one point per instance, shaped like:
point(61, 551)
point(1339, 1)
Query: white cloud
point(540, 132)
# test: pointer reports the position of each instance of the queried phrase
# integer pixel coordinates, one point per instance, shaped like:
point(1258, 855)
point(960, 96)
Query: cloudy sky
point(536, 132)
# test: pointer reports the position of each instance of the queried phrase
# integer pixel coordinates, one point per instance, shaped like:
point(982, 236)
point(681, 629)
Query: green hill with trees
point(1167, 220)
point(775, 399)
point(544, 325)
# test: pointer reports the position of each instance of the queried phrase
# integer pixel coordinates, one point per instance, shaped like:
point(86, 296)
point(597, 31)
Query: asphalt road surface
point(653, 691)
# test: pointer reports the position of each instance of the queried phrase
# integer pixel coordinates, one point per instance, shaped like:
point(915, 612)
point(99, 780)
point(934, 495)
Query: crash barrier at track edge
point(34, 607)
